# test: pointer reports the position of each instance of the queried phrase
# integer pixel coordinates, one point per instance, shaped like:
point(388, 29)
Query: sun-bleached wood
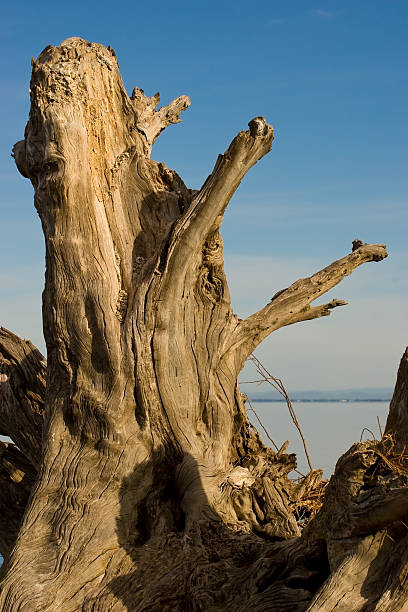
point(153, 490)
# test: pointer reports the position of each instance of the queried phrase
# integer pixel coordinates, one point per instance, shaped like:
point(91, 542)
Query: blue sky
point(331, 77)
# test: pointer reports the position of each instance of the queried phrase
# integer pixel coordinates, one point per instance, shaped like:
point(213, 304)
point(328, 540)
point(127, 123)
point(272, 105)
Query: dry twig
point(277, 384)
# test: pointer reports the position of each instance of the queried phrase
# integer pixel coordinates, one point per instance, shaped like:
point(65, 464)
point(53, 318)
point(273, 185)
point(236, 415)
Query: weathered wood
point(154, 491)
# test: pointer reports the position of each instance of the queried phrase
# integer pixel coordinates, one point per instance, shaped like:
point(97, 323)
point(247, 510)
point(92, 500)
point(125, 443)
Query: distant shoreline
point(320, 400)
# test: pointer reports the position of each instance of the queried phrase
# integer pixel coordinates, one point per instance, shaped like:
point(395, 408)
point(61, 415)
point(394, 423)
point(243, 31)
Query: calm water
point(329, 428)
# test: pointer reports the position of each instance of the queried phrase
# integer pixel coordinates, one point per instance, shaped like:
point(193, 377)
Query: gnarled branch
point(16, 480)
point(22, 393)
point(204, 216)
point(292, 305)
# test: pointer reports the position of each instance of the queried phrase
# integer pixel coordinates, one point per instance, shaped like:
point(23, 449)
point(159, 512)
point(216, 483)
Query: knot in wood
point(213, 251)
point(210, 285)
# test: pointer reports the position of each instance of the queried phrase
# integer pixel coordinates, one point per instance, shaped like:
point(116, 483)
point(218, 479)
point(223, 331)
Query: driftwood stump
point(137, 482)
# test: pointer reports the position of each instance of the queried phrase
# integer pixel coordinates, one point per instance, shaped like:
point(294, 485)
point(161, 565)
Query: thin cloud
point(323, 13)
point(272, 22)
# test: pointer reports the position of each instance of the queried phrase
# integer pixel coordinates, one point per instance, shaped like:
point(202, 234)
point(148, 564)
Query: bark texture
point(152, 490)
